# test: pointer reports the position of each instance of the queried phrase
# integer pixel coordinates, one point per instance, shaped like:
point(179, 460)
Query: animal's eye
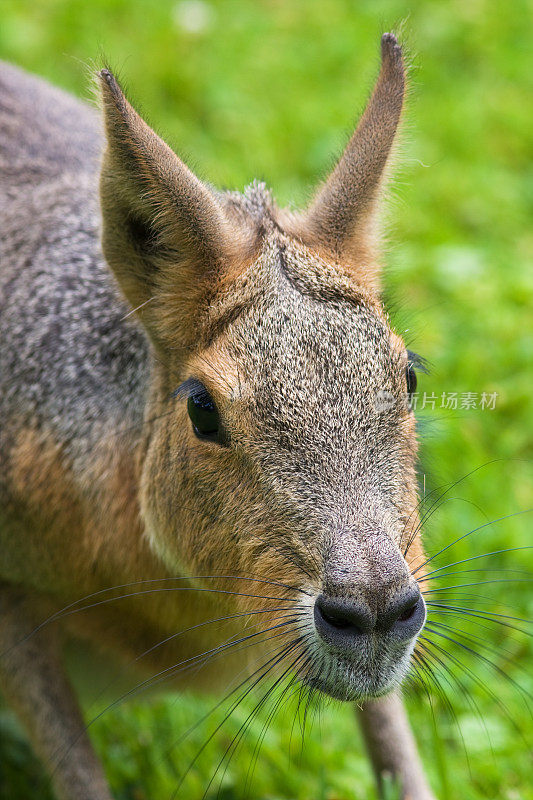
point(204, 416)
point(410, 376)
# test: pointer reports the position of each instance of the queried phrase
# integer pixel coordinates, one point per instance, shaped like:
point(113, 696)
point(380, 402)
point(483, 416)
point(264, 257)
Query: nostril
point(337, 622)
point(406, 615)
point(341, 618)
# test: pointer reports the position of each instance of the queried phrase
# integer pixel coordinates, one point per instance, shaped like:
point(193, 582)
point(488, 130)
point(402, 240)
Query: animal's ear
point(164, 235)
point(342, 215)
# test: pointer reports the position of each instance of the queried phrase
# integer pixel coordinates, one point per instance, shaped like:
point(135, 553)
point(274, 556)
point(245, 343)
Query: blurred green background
point(271, 90)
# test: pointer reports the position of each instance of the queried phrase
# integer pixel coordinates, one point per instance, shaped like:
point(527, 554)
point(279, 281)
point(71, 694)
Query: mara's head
point(283, 447)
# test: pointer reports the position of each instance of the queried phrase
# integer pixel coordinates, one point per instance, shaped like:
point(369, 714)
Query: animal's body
point(197, 398)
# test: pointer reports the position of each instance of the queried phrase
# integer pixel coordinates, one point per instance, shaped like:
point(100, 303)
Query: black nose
point(341, 620)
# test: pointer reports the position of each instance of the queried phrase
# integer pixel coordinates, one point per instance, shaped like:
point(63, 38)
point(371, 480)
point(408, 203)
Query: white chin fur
point(360, 679)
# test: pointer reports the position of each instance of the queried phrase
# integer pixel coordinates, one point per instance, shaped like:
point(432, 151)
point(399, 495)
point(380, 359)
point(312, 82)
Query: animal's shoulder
point(44, 131)
point(68, 353)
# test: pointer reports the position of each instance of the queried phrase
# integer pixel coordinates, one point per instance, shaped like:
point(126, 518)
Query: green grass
point(270, 90)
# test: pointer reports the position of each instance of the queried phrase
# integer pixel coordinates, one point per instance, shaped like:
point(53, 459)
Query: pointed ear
point(341, 218)
point(165, 235)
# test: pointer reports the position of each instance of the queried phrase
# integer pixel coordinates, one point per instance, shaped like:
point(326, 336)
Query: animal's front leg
point(391, 746)
point(34, 683)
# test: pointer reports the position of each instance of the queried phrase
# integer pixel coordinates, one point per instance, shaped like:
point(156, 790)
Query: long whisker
point(496, 619)
point(499, 571)
point(169, 672)
point(232, 747)
point(449, 676)
point(470, 558)
point(456, 598)
point(469, 533)
point(72, 607)
point(483, 629)
point(437, 506)
point(243, 683)
point(476, 680)
point(416, 507)
point(252, 612)
point(423, 655)
point(295, 685)
point(477, 583)
point(272, 666)
point(483, 614)
point(476, 641)
point(489, 663)
point(427, 514)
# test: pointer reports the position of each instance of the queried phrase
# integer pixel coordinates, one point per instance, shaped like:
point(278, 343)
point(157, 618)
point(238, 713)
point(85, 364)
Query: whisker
point(272, 666)
point(470, 558)
point(170, 672)
point(423, 655)
point(477, 641)
point(71, 607)
point(231, 749)
point(469, 533)
point(294, 683)
point(474, 639)
point(476, 680)
point(240, 734)
point(472, 612)
point(449, 488)
point(416, 507)
point(465, 597)
point(433, 510)
point(499, 571)
point(277, 652)
point(523, 692)
point(260, 739)
point(477, 583)
point(449, 676)
point(131, 662)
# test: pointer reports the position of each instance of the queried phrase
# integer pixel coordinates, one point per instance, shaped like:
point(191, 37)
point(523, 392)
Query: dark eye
point(204, 416)
point(410, 376)
point(414, 363)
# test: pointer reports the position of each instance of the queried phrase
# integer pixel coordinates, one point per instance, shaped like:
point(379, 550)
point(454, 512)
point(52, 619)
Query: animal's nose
point(341, 621)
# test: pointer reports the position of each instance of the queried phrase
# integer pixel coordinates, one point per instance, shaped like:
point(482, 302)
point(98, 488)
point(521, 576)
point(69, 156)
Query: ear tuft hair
point(342, 216)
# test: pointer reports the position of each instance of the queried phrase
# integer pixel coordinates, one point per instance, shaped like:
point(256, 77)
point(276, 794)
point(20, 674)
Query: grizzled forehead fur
point(305, 353)
point(278, 260)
